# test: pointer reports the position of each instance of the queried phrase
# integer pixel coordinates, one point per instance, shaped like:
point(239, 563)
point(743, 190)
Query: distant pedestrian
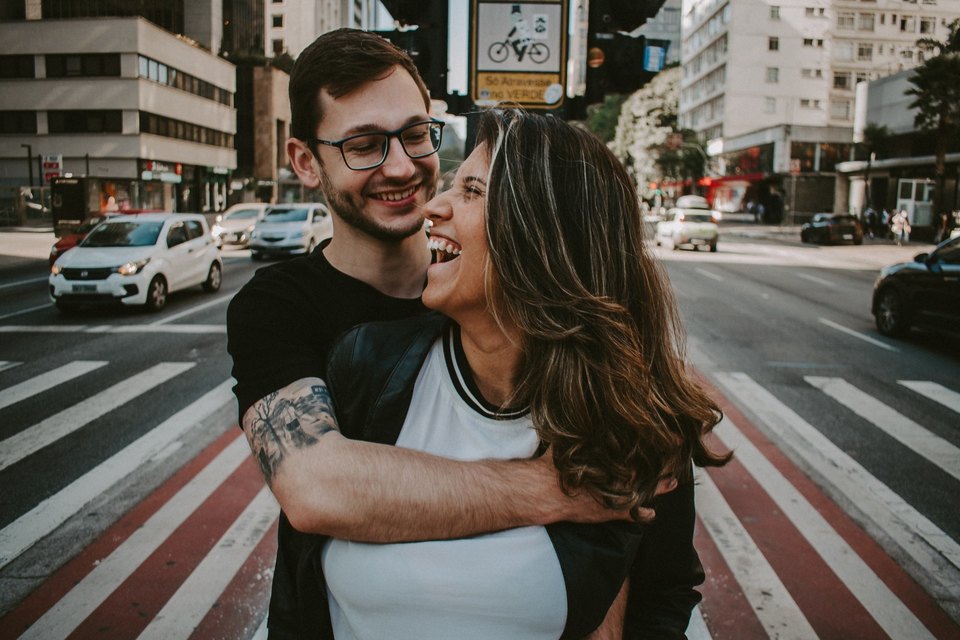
point(900, 227)
point(943, 228)
point(870, 220)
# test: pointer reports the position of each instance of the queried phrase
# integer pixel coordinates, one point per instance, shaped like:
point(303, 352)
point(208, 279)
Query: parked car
point(234, 225)
point(137, 260)
point(290, 229)
point(691, 223)
point(924, 292)
point(827, 228)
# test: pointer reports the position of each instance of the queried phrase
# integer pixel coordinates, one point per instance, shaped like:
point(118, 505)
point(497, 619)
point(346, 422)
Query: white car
point(690, 223)
point(137, 260)
point(234, 225)
point(290, 229)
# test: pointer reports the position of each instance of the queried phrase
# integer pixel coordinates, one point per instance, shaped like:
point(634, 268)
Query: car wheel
point(713, 247)
point(256, 255)
point(214, 277)
point(891, 316)
point(157, 294)
point(804, 237)
point(858, 240)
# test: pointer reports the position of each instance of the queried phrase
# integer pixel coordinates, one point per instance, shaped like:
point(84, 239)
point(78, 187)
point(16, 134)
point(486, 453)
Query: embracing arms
point(361, 491)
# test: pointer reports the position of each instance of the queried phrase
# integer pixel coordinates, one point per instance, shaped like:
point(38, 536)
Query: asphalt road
point(862, 429)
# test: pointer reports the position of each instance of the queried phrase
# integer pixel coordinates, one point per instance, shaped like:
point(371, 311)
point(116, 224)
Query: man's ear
point(303, 162)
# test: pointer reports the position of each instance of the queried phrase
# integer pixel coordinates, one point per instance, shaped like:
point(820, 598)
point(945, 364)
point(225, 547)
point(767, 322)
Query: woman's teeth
point(443, 250)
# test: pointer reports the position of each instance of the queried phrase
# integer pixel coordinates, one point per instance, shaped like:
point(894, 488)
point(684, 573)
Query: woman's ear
point(304, 163)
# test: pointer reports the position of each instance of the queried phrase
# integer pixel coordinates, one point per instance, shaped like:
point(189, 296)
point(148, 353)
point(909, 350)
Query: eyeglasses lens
point(418, 141)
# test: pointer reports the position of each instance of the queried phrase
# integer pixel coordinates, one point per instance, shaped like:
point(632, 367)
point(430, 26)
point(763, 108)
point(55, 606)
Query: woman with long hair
point(557, 335)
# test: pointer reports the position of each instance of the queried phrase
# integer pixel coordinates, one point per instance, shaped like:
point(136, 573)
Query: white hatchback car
point(233, 227)
point(691, 222)
point(290, 229)
point(137, 260)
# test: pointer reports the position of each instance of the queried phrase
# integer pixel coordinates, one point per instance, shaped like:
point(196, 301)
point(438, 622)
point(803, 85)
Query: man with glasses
point(362, 133)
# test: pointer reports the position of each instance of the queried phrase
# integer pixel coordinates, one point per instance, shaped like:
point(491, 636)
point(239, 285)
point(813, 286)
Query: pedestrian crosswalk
point(800, 538)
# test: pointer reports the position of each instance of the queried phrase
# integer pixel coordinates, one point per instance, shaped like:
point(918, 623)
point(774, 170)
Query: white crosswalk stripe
point(48, 380)
point(934, 391)
point(6, 364)
point(46, 432)
point(930, 446)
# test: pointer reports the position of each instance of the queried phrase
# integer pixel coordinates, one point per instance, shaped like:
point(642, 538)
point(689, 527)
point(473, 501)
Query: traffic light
point(427, 44)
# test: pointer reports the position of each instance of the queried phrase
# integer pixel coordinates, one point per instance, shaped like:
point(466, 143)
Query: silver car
point(233, 227)
point(690, 223)
point(290, 229)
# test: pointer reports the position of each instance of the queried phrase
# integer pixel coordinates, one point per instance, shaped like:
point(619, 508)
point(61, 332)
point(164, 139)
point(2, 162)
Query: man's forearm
point(361, 491)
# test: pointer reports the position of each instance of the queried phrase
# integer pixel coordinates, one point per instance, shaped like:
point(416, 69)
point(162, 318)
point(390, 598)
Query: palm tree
point(875, 139)
point(936, 91)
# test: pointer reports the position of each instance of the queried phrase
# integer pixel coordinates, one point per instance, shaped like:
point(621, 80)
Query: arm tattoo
point(292, 418)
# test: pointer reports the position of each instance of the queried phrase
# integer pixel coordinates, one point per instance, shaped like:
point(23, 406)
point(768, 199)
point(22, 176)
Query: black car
point(923, 292)
point(827, 228)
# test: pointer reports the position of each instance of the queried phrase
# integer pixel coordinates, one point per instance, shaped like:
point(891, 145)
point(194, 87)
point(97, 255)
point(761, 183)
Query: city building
point(143, 118)
point(665, 26)
point(294, 24)
point(769, 87)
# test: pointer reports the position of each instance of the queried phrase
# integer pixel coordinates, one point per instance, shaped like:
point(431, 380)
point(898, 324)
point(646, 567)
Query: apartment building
point(770, 86)
point(148, 116)
point(291, 25)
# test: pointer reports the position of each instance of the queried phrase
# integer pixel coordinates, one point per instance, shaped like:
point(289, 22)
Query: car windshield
point(286, 215)
point(124, 234)
point(697, 217)
point(89, 224)
point(240, 214)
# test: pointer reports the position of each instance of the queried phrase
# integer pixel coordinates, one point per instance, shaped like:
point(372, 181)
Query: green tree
point(602, 118)
point(936, 92)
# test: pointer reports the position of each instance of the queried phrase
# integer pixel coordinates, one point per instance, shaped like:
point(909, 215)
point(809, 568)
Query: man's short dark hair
point(341, 61)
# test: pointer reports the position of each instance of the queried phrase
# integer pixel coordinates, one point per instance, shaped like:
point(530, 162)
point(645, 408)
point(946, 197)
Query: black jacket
point(371, 373)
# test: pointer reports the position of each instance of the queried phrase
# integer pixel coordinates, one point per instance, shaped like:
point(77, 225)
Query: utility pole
point(29, 163)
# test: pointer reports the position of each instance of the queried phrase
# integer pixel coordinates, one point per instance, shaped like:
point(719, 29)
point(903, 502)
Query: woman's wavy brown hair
point(604, 372)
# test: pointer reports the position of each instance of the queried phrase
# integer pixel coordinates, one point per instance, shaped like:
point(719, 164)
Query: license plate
point(84, 288)
point(848, 236)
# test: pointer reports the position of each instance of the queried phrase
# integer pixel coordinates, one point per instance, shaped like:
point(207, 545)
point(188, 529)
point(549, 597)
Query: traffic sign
point(518, 52)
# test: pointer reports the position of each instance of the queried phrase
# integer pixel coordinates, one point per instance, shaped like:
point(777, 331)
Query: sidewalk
point(25, 243)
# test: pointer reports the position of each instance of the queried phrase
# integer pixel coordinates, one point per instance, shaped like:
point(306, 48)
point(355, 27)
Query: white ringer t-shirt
point(500, 585)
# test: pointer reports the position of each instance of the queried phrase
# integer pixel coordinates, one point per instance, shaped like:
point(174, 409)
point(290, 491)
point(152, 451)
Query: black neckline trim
point(463, 382)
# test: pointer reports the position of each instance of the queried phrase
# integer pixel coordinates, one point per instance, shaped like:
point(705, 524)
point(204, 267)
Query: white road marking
point(894, 424)
point(23, 311)
point(934, 391)
point(935, 553)
point(192, 310)
point(8, 364)
point(20, 283)
point(807, 276)
point(857, 334)
point(882, 604)
point(709, 274)
point(61, 619)
point(48, 380)
point(26, 530)
point(197, 595)
point(116, 328)
point(771, 602)
point(46, 432)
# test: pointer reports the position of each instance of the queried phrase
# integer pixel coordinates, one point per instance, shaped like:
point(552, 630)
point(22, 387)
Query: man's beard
point(350, 210)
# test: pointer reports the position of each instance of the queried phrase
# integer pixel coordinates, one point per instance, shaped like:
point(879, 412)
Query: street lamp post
point(29, 162)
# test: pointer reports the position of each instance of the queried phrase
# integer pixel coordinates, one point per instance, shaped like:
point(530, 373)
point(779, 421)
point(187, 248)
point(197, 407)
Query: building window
point(845, 20)
point(928, 25)
point(170, 128)
point(864, 51)
point(841, 80)
point(908, 24)
point(85, 121)
point(18, 122)
point(769, 105)
point(773, 74)
point(840, 109)
point(773, 44)
point(86, 65)
point(807, 103)
point(17, 67)
point(159, 72)
point(812, 42)
point(814, 11)
point(774, 12)
point(278, 20)
point(278, 47)
point(811, 73)
point(865, 22)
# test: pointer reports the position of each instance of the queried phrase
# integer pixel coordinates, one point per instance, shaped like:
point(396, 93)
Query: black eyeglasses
point(369, 150)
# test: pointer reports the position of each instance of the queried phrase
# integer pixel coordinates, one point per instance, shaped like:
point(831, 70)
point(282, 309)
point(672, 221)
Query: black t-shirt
point(280, 327)
point(281, 324)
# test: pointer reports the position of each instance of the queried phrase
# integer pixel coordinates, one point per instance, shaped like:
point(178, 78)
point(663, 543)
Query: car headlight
point(56, 269)
point(249, 229)
point(132, 268)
